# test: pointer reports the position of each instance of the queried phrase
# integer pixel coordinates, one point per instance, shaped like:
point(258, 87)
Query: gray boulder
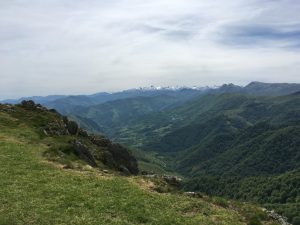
point(83, 153)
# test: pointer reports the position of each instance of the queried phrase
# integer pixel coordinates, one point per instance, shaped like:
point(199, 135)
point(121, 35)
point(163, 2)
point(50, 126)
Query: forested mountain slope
point(112, 115)
point(228, 138)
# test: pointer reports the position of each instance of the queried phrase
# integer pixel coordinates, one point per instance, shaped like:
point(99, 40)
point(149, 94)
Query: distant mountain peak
point(173, 88)
point(255, 83)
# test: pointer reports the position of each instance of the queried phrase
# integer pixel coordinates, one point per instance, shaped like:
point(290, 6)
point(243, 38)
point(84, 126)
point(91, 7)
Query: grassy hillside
point(41, 183)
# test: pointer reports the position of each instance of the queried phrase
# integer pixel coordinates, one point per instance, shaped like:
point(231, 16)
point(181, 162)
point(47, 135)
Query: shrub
point(220, 201)
point(254, 221)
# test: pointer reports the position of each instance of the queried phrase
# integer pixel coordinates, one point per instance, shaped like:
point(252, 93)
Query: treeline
point(281, 193)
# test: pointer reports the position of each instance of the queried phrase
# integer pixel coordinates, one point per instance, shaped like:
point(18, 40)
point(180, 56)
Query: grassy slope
point(34, 191)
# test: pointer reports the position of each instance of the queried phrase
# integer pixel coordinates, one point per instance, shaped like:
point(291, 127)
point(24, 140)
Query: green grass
point(35, 191)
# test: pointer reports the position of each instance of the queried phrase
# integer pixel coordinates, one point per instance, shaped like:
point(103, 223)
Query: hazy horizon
point(83, 47)
point(137, 88)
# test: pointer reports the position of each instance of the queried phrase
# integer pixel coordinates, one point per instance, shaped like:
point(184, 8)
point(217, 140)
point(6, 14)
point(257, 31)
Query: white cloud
point(63, 46)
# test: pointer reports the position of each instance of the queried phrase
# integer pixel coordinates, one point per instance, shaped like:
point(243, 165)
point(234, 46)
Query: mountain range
point(66, 103)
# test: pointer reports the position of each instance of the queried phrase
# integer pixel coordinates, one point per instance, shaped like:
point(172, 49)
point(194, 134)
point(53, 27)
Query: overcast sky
point(77, 47)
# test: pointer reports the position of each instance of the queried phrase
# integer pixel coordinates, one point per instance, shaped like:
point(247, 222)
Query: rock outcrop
point(90, 148)
point(281, 219)
point(83, 153)
point(124, 159)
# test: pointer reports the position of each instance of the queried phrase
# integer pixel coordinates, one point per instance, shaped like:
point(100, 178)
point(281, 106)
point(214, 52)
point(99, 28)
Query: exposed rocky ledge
point(88, 147)
point(281, 219)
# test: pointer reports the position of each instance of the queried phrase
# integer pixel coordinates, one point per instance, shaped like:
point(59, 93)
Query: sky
point(80, 47)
